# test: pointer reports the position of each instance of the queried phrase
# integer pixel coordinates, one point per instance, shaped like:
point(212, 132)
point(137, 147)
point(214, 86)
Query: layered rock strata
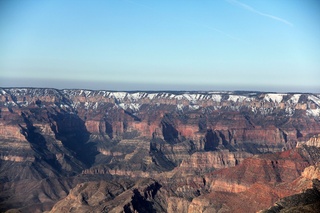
point(51, 140)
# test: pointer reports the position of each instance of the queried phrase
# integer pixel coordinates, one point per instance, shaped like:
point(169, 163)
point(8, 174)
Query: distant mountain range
point(172, 151)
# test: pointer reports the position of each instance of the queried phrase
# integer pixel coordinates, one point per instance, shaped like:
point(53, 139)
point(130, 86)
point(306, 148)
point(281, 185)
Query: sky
point(260, 45)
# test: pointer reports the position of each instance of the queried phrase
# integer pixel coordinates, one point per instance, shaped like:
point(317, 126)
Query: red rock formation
point(195, 143)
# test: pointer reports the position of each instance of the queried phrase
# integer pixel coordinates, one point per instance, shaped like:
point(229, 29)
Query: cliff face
point(187, 139)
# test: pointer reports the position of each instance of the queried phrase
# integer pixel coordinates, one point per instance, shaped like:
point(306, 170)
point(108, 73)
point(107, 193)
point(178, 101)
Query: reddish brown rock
point(195, 143)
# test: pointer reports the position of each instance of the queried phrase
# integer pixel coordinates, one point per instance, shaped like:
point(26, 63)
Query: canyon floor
point(171, 151)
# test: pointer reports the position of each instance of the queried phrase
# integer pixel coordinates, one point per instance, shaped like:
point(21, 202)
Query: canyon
point(172, 151)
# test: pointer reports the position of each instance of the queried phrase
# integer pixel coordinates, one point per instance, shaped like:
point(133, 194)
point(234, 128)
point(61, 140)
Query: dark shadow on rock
point(139, 204)
point(211, 141)
point(109, 129)
point(38, 143)
point(72, 132)
point(170, 133)
point(158, 157)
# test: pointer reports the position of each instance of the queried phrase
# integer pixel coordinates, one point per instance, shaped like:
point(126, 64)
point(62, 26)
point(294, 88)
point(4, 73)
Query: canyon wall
point(189, 140)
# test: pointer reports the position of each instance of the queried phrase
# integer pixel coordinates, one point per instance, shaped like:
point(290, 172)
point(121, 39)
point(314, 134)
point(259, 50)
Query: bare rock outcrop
point(116, 196)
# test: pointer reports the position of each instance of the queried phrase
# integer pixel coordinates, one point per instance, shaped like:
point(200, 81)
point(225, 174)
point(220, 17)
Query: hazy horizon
point(112, 86)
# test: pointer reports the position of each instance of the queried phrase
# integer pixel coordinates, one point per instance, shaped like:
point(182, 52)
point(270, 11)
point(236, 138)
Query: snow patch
point(236, 98)
point(274, 97)
point(24, 103)
point(3, 92)
point(64, 106)
point(95, 106)
point(135, 96)
point(119, 95)
point(86, 105)
point(290, 111)
point(216, 98)
point(189, 97)
point(194, 107)
point(313, 112)
point(151, 96)
point(180, 107)
point(87, 93)
point(295, 98)
point(133, 106)
point(315, 99)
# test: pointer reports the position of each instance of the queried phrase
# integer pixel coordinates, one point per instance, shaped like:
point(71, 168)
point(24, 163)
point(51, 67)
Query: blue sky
point(270, 45)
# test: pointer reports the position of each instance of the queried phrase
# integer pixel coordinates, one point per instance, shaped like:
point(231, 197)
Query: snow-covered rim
point(129, 99)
